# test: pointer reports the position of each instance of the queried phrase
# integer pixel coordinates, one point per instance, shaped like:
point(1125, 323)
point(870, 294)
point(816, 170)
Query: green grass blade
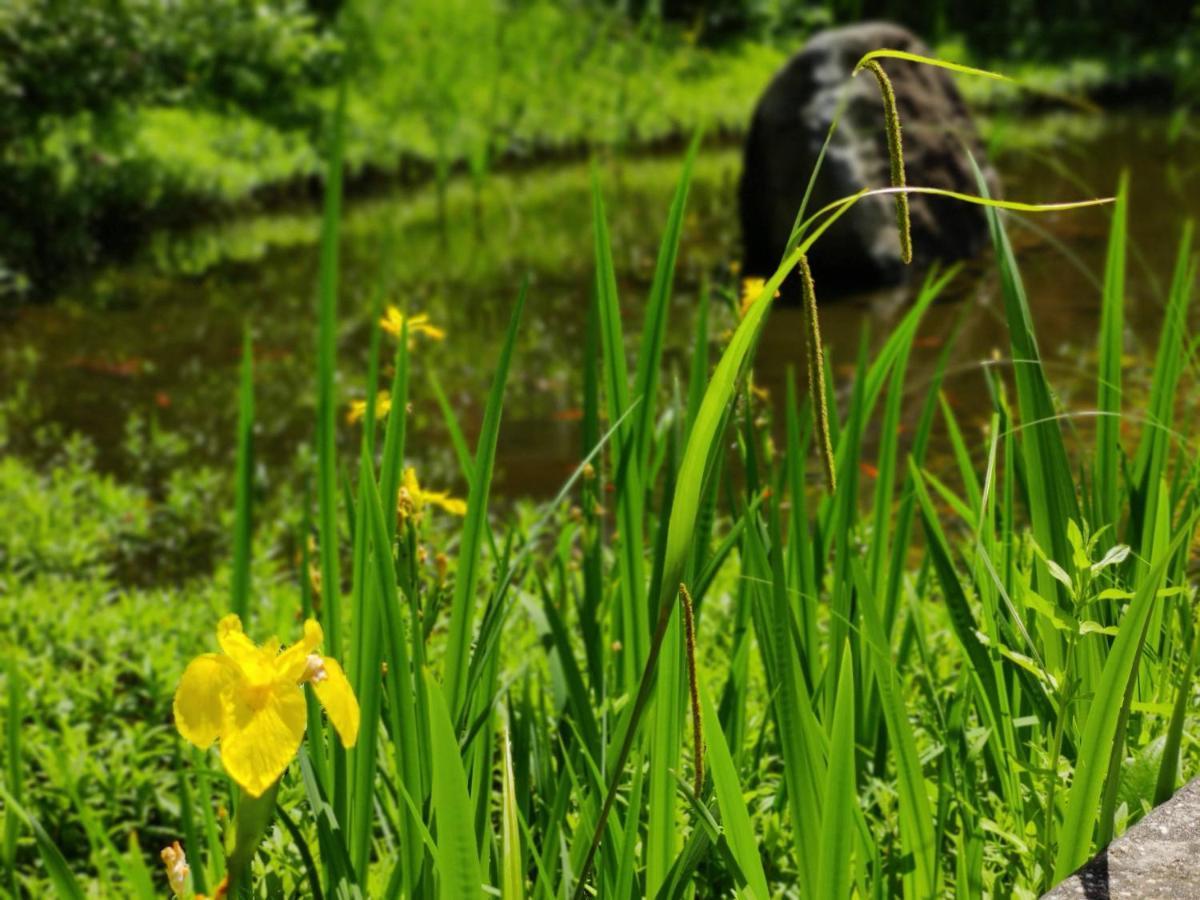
point(458, 855)
point(212, 837)
point(628, 858)
point(962, 458)
point(342, 881)
point(1168, 773)
point(512, 875)
point(189, 820)
point(654, 325)
point(461, 451)
point(365, 663)
point(800, 736)
point(625, 455)
point(14, 718)
point(306, 857)
point(462, 611)
point(735, 819)
point(327, 498)
point(327, 294)
point(59, 872)
point(916, 820)
point(1093, 770)
point(395, 435)
point(136, 873)
point(962, 619)
point(577, 693)
point(591, 614)
point(1106, 475)
point(1050, 481)
point(834, 872)
point(371, 414)
point(1078, 102)
point(243, 521)
point(402, 710)
point(837, 207)
point(698, 375)
point(1150, 463)
point(885, 468)
point(906, 511)
point(838, 513)
point(931, 61)
point(666, 741)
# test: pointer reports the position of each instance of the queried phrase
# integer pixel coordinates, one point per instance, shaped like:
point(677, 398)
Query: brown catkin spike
point(693, 688)
point(891, 118)
point(816, 370)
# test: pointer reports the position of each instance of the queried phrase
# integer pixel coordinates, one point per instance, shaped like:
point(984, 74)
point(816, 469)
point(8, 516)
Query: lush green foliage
point(74, 81)
point(895, 678)
point(160, 114)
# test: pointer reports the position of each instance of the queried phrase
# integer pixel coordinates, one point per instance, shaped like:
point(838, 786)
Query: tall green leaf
point(385, 612)
point(1108, 379)
point(1149, 465)
point(61, 876)
point(735, 819)
point(512, 874)
point(327, 294)
point(243, 521)
point(834, 873)
point(462, 610)
point(14, 718)
point(1093, 768)
point(1168, 772)
point(654, 324)
point(458, 855)
point(916, 820)
point(626, 465)
point(327, 528)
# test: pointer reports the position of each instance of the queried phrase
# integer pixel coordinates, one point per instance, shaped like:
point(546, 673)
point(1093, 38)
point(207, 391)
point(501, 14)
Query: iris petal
point(453, 505)
point(262, 738)
point(235, 644)
point(337, 697)
point(290, 664)
point(199, 709)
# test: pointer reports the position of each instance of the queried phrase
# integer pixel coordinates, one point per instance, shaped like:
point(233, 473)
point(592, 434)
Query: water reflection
point(161, 339)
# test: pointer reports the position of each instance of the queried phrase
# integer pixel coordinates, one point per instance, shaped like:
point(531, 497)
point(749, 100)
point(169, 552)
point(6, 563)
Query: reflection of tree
point(73, 174)
point(441, 61)
point(472, 80)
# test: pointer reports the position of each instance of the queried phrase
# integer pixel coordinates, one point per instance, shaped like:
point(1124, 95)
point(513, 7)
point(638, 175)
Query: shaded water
point(161, 339)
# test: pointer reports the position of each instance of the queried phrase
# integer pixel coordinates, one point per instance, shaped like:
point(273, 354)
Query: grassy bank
point(673, 90)
point(445, 87)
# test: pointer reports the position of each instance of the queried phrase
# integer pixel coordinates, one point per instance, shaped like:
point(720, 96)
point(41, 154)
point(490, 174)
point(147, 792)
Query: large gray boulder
point(862, 249)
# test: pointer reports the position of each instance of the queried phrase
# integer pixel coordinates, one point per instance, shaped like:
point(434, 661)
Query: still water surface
point(161, 339)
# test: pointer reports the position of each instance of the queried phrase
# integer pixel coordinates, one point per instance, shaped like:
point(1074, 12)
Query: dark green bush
point(72, 74)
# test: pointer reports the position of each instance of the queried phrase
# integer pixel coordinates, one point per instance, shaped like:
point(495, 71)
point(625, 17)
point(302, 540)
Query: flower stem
point(254, 814)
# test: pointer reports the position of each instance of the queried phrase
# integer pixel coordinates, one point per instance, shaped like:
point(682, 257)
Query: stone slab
point(1156, 859)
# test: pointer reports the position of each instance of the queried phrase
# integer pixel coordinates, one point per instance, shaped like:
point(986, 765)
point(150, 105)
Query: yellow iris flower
point(412, 499)
point(358, 408)
point(250, 698)
point(393, 323)
point(751, 288)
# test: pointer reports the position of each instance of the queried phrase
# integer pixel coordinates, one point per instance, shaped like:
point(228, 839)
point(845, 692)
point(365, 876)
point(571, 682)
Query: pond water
point(160, 339)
